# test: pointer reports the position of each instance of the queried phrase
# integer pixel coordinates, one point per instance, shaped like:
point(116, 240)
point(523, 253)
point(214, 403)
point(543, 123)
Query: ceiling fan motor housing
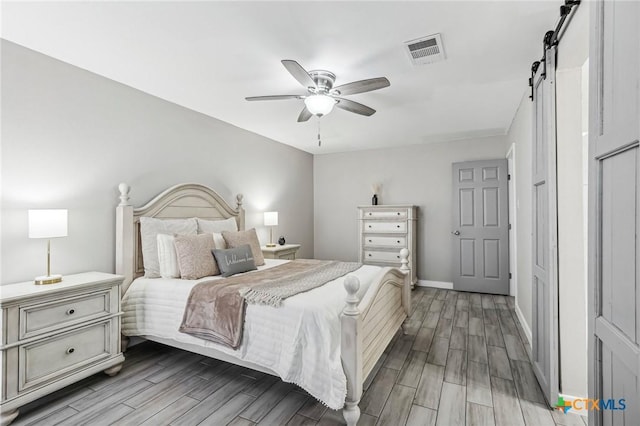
point(324, 80)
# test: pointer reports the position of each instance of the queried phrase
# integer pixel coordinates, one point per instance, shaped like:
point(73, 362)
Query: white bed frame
point(368, 325)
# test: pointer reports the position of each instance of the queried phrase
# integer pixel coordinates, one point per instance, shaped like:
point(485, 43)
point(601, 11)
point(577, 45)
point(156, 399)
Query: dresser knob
point(369, 226)
point(398, 213)
point(70, 350)
point(398, 241)
point(397, 226)
point(369, 240)
point(398, 257)
point(71, 311)
point(369, 254)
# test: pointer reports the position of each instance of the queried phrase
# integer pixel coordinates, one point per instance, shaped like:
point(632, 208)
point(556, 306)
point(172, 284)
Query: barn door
point(481, 220)
point(614, 212)
point(544, 284)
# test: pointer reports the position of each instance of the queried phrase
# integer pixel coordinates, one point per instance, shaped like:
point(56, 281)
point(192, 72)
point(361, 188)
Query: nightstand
point(287, 251)
point(54, 335)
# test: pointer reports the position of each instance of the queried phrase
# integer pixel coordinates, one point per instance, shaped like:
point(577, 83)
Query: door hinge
point(509, 177)
point(509, 227)
point(509, 275)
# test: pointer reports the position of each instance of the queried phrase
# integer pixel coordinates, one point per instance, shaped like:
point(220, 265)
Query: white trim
point(525, 326)
point(512, 189)
point(572, 398)
point(435, 284)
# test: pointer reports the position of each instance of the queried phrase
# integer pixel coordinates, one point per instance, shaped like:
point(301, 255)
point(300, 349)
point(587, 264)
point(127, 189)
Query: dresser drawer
point(385, 214)
point(381, 256)
point(60, 355)
point(379, 226)
point(399, 241)
point(57, 314)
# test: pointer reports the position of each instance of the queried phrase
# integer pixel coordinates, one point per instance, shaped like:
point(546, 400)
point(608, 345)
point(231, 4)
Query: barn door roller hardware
point(552, 38)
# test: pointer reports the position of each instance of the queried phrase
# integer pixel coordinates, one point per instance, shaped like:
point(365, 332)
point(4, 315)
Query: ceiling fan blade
point(305, 115)
point(299, 73)
point(274, 97)
point(362, 86)
point(356, 107)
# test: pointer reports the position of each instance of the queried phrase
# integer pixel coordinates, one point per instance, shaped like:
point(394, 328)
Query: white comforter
point(300, 341)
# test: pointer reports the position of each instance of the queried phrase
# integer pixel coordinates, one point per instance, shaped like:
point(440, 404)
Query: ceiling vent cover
point(425, 50)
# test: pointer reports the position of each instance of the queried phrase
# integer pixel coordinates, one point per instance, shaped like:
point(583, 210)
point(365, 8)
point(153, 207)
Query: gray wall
point(418, 174)
point(70, 136)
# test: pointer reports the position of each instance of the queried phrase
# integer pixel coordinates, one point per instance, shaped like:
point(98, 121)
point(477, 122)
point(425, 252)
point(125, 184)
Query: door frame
point(513, 220)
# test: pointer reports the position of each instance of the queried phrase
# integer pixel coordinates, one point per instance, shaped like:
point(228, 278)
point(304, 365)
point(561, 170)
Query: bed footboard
point(369, 325)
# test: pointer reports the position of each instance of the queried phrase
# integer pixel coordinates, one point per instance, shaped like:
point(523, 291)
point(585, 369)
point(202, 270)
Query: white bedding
point(300, 340)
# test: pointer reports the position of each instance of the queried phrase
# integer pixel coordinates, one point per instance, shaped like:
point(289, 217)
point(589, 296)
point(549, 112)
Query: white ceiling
point(208, 56)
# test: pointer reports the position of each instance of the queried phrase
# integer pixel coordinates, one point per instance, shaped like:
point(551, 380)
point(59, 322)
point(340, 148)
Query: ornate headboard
point(180, 201)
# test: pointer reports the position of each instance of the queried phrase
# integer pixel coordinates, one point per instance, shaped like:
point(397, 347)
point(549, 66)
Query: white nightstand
point(287, 251)
point(54, 335)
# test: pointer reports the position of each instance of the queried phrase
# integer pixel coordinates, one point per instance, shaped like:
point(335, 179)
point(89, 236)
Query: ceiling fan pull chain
point(319, 141)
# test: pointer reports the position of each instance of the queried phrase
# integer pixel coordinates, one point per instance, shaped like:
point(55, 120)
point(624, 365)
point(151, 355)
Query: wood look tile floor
point(463, 362)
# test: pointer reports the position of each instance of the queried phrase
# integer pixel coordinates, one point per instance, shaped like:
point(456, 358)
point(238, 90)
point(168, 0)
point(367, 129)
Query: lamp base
point(271, 245)
point(48, 279)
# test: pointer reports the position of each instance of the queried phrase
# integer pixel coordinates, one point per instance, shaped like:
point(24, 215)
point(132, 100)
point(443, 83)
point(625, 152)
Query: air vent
point(425, 50)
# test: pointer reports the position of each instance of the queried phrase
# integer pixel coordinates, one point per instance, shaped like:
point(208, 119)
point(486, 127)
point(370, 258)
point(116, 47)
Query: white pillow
point(150, 228)
point(219, 241)
point(167, 256)
point(211, 226)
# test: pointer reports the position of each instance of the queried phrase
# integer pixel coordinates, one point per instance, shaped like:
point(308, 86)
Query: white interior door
point(481, 227)
point(544, 284)
point(614, 211)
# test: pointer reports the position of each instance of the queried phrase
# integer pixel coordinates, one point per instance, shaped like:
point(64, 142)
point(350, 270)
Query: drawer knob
point(369, 240)
point(369, 226)
point(70, 350)
point(397, 226)
point(369, 254)
point(398, 213)
point(71, 311)
point(398, 241)
point(370, 213)
point(398, 257)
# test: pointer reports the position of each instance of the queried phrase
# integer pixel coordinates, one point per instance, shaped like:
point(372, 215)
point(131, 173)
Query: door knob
point(456, 233)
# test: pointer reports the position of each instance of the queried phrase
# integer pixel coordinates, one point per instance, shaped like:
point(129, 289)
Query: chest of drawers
point(384, 231)
point(54, 335)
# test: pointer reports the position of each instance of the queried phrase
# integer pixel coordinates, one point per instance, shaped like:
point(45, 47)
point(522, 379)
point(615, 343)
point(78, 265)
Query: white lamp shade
point(49, 223)
point(319, 104)
point(270, 218)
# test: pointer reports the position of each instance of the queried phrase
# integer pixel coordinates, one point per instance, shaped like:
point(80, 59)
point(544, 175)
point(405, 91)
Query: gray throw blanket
point(215, 309)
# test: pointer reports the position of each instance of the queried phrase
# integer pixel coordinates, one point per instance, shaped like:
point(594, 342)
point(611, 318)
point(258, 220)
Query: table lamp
point(48, 223)
point(271, 220)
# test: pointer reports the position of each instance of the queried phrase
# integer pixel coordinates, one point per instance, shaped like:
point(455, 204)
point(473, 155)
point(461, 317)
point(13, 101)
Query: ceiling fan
point(322, 96)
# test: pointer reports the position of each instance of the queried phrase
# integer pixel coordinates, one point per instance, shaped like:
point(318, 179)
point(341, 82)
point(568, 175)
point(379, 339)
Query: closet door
point(614, 211)
point(544, 283)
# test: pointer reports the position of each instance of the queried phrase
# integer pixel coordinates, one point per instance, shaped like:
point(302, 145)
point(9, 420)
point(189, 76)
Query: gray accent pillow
point(235, 260)
point(240, 238)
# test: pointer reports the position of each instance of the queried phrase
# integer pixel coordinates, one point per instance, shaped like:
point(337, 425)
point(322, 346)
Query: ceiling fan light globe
point(319, 104)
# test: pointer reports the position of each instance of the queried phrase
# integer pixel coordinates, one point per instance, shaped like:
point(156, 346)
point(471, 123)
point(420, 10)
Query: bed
point(343, 336)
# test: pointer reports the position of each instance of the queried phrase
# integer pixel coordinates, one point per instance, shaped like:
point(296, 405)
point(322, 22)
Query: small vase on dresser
point(55, 335)
point(384, 230)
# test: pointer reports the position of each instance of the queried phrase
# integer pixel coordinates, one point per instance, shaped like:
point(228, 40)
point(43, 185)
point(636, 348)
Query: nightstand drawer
point(57, 356)
point(54, 315)
point(381, 256)
point(385, 214)
point(377, 226)
point(400, 241)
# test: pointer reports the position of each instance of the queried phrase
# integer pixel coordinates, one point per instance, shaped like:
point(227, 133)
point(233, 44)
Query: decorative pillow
point(240, 238)
point(149, 229)
point(167, 257)
point(235, 260)
point(219, 241)
point(210, 226)
point(194, 256)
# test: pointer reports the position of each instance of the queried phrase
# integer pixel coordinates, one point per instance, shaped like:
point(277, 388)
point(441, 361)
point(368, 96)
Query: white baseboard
point(525, 326)
point(584, 412)
point(435, 284)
